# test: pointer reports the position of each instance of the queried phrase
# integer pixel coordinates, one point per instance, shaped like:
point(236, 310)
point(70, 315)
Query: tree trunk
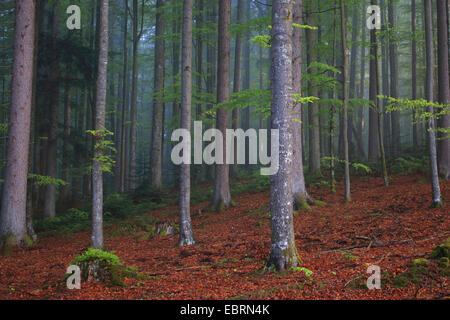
point(246, 79)
point(299, 193)
point(66, 145)
point(97, 176)
point(13, 211)
point(52, 144)
point(237, 82)
point(414, 74)
point(444, 89)
point(345, 102)
point(222, 196)
point(373, 114)
point(124, 101)
point(283, 254)
point(158, 105)
point(313, 108)
point(429, 88)
point(186, 234)
point(393, 58)
point(211, 70)
point(362, 75)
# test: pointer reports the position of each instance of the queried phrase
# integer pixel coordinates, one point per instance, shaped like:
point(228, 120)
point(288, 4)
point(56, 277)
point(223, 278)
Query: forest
point(224, 149)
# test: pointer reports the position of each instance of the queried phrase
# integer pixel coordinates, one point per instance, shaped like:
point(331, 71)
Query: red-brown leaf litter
point(385, 226)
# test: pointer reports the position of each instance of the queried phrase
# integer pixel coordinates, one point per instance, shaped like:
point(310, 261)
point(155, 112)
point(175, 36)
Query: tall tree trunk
point(133, 133)
point(414, 74)
point(237, 82)
point(66, 145)
point(52, 144)
point(429, 91)
point(332, 109)
point(211, 69)
point(158, 105)
point(186, 234)
point(352, 85)
point(246, 79)
point(393, 62)
point(222, 196)
point(124, 101)
point(385, 79)
point(13, 207)
point(299, 193)
point(345, 102)
point(373, 114)
point(362, 75)
point(313, 108)
point(283, 254)
point(97, 176)
point(200, 74)
point(444, 89)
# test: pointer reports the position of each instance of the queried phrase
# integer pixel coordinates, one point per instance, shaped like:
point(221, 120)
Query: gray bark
point(97, 175)
point(313, 108)
point(345, 101)
point(393, 62)
point(13, 211)
point(186, 234)
point(51, 171)
point(237, 81)
point(373, 114)
point(429, 88)
point(222, 196)
point(283, 253)
point(299, 193)
point(444, 88)
point(158, 105)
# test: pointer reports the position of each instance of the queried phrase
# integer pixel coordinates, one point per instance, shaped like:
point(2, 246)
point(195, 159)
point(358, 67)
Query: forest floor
point(388, 227)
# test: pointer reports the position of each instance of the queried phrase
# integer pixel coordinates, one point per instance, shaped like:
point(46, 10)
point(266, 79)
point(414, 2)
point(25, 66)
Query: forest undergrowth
point(392, 227)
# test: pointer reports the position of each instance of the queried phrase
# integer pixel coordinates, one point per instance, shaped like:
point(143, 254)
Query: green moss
point(442, 250)
point(319, 203)
point(28, 241)
point(7, 244)
point(302, 204)
point(108, 267)
point(421, 262)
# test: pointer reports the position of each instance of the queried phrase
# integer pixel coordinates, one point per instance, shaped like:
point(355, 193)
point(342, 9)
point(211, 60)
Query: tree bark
point(13, 211)
point(158, 105)
point(393, 62)
point(97, 176)
point(299, 193)
point(283, 253)
point(414, 74)
point(124, 100)
point(186, 234)
point(237, 81)
point(345, 102)
point(52, 144)
point(313, 108)
point(429, 92)
point(222, 196)
point(444, 90)
point(373, 114)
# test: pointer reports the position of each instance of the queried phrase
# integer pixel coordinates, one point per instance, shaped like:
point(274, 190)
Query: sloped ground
point(389, 227)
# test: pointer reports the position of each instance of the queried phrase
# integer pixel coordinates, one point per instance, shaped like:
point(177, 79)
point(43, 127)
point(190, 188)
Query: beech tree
point(299, 193)
point(222, 195)
point(429, 91)
point(13, 207)
point(158, 104)
point(186, 234)
point(283, 254)
point(444, 88)
point(99, 133)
